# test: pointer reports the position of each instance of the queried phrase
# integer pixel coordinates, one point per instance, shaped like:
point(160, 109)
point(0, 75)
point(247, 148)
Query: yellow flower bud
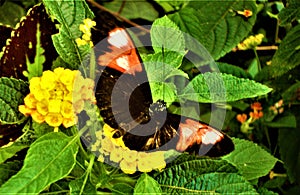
point(30, 101)
point(25, 110)
point(128, 167)
point(116, 155)
point(130, 155)
point(54, 119)
point(54, 106)
point(42, 107)
point(48, 80)
point(37, 117)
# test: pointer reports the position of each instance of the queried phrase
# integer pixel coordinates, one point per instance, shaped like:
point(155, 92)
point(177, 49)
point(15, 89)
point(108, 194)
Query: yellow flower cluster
point(251, 42)
point(86, 29)
point(57, 96)
point(129, 161)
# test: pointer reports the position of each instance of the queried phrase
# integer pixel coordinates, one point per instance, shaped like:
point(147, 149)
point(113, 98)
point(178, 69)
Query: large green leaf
point(166, 35)
point(134, 9)
point(286, 57)
point(251, 160)
point(146, 184)
point(289, 14)
point(166, 62)
point(70, 14)
point(216, 24)
point(163, 91)
point(49, 159)
point(203, 176)
point(12, 93)
point(289, 148)
point(219, 87)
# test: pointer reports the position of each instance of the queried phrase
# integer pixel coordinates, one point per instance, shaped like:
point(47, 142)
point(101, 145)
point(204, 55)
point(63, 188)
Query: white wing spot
point(123, 62)
point(118, 38)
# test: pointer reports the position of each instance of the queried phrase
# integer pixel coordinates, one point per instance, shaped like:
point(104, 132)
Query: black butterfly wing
point(5, 34)
point(23, 41)
point(117, 97)
point(9, 133)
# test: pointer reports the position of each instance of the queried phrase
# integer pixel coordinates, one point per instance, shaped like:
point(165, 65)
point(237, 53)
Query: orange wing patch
point(193, 132)
point(123, 56)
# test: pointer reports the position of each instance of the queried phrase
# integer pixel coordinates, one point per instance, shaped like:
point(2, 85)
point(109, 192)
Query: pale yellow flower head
point(129, 161)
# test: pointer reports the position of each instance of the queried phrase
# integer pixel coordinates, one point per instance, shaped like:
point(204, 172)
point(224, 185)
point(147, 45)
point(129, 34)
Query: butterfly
point(125, 101)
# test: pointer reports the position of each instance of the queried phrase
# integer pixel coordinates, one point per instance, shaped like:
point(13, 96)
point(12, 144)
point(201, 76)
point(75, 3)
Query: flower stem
point(257, 59)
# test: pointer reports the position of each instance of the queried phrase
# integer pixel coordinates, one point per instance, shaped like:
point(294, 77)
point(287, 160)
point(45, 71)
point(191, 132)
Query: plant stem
point(92, 64)
point(117, 15)
point(257, 59)
point(88, 172)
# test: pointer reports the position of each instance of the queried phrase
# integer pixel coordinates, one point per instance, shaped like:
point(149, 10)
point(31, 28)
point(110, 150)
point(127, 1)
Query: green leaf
point(276, 182)
point(49, 159)
point(157, 61)
point(11, 13)
point(251, 160)
point(220, 87)
point(78, 186)
point(163, 34)
point(35, 69)
point(289, 14)
point(70, 14)
point(160, 68)
point(233, 70)
point(286, 57)
point(134, 9)
point(288, 121)
point(289, 148)
point(199, 165)
point(122, 188)
point(146, 184)
point(8, 169)
point(10, 151)
point(12, 93)
point(265, 191)
point(163, 91)
point(215, 24)
point(291, 93)
point(41, 129)
point(253, 68)
point(203, 176)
